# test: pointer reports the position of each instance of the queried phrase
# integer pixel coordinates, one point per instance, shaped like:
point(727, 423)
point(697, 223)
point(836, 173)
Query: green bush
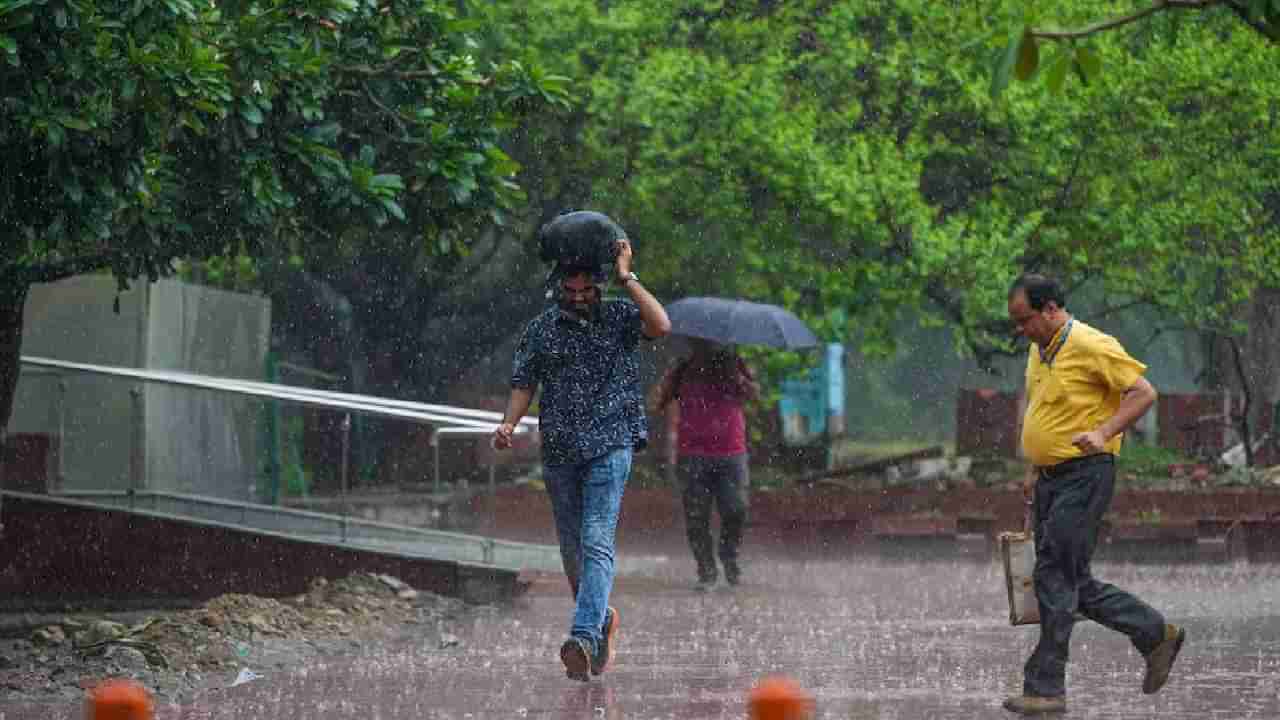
point(1148, 460)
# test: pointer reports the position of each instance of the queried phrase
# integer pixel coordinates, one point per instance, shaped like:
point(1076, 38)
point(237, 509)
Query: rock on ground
point(180, 653)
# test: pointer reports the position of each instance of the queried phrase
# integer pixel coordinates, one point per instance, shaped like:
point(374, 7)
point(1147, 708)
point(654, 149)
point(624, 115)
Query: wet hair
point(1040, 289)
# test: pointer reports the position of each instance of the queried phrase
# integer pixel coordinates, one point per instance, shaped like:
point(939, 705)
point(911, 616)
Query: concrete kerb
point(475, 579)
point(462, 547)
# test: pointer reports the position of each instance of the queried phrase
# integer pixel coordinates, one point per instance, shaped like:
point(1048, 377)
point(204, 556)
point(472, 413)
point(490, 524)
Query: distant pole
point(346, 451)
point(435, 445)
point(60, 470)
point(274, 435)
point(833, 363)
point(137, 455)
point(493, 491)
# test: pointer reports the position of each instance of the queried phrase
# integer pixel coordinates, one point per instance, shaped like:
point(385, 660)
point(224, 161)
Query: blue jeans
point(586, 498)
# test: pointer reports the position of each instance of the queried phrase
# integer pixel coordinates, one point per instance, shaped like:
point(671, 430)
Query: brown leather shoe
point(1160, 660)
point(608, 647)
point(1035, 705)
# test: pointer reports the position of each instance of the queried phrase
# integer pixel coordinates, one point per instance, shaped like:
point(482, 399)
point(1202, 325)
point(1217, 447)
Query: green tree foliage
point(293, 131)
point(851, 156)
point(846, 159)
point(1032, 25)
point(847, 155)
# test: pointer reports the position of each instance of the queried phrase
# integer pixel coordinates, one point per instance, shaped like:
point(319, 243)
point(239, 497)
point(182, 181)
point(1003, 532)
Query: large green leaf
point(1057, 73)
point(1006, 60)
point(1089, 62)
point(1028, 58)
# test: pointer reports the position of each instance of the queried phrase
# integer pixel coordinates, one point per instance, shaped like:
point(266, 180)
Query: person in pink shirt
point(705, 393)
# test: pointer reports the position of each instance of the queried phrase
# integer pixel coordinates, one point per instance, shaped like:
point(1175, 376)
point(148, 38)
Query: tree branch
point(365, 70)
point(1104, 25)
point(394, 115)
point(1064, 193)
point(387, 71)
point(1265, 29)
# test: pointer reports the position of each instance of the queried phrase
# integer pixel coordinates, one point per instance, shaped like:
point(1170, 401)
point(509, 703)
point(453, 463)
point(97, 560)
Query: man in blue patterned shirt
point(583, 352)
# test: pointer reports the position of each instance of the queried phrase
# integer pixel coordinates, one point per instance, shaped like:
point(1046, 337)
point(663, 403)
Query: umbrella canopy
point(739, 322)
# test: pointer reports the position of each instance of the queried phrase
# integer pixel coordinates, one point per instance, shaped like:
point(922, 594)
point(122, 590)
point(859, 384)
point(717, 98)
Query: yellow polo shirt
point(1079, 391)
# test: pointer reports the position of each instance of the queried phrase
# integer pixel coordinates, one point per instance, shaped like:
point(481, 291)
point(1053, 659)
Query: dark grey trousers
point(1070, 500)
point(725, 482)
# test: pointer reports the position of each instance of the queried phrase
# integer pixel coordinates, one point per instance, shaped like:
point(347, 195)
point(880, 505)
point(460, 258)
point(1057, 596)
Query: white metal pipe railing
point(448, 420)
point(442, 433)
point(423, 413)
point(488, 415)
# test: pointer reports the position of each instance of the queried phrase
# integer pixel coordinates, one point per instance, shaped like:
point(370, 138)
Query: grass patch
point(1148, 461)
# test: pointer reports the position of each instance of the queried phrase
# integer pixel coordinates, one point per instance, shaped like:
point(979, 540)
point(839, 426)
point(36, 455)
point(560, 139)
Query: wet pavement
point(872, 636)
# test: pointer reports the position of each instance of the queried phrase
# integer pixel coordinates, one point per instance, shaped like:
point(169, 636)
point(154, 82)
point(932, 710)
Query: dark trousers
point(1070, 500)
point(723, 481)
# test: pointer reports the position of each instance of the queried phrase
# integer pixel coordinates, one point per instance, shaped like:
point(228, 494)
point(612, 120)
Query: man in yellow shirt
point(1083, 392)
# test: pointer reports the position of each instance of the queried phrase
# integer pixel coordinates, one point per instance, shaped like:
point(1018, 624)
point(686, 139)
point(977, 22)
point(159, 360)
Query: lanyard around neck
point(1047, 358)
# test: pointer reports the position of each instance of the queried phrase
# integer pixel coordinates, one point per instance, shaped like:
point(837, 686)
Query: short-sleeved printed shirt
point(590, 378)
point(1078, 391)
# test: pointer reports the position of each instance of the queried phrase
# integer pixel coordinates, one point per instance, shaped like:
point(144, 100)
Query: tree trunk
point(1246, 434)
point(1262, 348)
point(1247, 364)
point(12, 300)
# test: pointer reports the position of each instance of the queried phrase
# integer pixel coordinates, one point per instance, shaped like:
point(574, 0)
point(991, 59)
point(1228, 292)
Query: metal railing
point(448, 421)
point(458, 432)
point(424, 413)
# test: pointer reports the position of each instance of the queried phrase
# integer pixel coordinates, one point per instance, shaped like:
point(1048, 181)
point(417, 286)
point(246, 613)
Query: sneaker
point(1036, 705)
point(732, 574)
point(708, 575)
point(608, 642)
point(1160, 660)
point(705, 585)
point(575, 653)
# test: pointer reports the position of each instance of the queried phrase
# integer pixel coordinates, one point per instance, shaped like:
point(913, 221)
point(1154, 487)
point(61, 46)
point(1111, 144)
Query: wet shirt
point(712, 421)
point(1073, 389)
point(590, 378)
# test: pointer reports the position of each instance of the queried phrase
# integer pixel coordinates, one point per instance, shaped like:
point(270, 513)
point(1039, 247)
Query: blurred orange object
point(119, 700)
point(780, 698)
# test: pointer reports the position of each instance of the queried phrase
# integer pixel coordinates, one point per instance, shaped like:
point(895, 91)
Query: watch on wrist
point(627, 277)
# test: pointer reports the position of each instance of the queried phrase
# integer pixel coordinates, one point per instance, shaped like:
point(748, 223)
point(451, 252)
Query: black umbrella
point(738, 322)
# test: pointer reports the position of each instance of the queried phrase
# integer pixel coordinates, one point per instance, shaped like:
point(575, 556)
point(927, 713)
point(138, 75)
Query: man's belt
point(1050, 472)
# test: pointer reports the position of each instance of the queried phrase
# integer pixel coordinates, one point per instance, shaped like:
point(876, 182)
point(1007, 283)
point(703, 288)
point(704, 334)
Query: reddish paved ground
point(920, 632)
point(871, 637)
